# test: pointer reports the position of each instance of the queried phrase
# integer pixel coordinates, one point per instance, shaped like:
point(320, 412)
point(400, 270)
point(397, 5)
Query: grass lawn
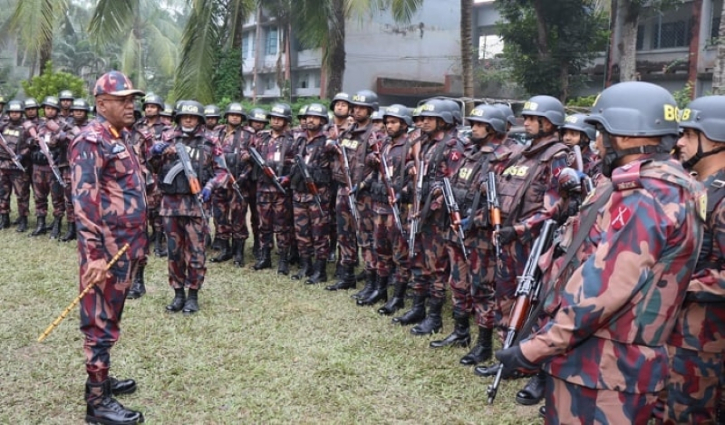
point(263, 349)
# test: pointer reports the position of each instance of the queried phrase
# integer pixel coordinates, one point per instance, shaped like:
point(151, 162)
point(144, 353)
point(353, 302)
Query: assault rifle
point(414, 214)
point(191, 177)
point(454, 213)
point(233, 180)
point(527, 296)
point(494, 210)
point(307, 177)
point(43, 143)
point(11, 152)
point(392, 201)
point(351, 199)
point(266, 169)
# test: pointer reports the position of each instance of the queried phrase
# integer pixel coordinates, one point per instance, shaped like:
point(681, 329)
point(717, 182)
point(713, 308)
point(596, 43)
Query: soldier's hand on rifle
point(465, 224)
point(513, 360)
point(96, 272)
point(284, 181)
point(505, 235)
point(373, 159)
point(205, 194)
point(570, 180)
point(244, 156)
point(159, 148)
point(437, 203)
point(355, 188)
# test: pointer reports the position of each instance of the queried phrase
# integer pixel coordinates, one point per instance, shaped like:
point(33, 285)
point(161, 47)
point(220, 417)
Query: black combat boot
point(102, 408)
point(225, 254)
point(191, 305)
point(40, 229)
point(159, 249)
point(138, 288)
point(238, 251)
point(23, 224)
point(433, 321)
point(416, 314)
point(379, 292)
point(178, 302)
point(347, 281)
point(257, 251)
point(461, 335)
point(320, 272)
point(482, 351)
point(397, 302)
point(217, 244)
point(55, 227)
point(533, 391)
point(118, 386)
point(283, 263)
point(305, 269)
point(487, 371)
point(5, 221)
point(370, 282)
point(264, 260)
point(70, 235)
point(294, 255)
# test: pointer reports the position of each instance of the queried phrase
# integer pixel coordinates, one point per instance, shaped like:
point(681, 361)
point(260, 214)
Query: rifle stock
point(11, 152)
point(351, 199)
point(307, 177)
point(388, 181)
point(494, 210)
point(454, 214)
point(266, 169)
point(414, 214)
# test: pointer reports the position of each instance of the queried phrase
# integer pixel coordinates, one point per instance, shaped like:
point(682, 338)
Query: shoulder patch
point(702, 206)
point(627, 177)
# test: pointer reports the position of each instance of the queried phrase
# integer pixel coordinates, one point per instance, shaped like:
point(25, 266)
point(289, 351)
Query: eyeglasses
point(128, 100)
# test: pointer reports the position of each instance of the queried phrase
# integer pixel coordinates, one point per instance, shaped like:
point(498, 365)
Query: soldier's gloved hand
point(466, 224)
point(159, 148)
point(284, 181)
point(506, 235)
point(354, 189)
point(206, 194)
point(513, 360)
point(570, 180)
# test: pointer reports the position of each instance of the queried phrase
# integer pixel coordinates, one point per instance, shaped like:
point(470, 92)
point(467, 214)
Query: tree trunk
point(542, 39)
point(257, 54)
point(613, 14)
point(237, 39)
point(627, 46)
point(718, 72)
point(693, 57)
point(45, 52)
point(466, 53)
point(336, 49)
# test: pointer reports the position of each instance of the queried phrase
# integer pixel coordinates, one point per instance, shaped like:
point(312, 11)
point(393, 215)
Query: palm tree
point(150, 32)
point(466, 53)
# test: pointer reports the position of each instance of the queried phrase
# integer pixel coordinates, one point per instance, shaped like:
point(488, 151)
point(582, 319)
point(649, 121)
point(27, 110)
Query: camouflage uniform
point(11, 178)
point(44, 181)
point(183, 223)
point(110, 210)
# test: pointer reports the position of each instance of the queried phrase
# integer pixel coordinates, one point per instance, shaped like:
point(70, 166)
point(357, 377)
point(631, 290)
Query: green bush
point(50, 83)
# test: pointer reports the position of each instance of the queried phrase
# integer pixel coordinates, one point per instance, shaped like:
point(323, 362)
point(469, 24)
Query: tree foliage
point(547, 44)
point(50, 83)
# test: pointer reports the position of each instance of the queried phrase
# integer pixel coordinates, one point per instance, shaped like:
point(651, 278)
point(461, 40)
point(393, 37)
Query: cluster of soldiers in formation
point(421, 209)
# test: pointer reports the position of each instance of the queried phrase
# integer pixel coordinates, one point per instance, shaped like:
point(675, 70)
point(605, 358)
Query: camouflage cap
point(115, 83)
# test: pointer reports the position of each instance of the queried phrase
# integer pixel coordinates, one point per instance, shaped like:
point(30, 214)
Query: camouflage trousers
point(391, 248)
point(250, 195)
point(431, 265)
point(568, 403)
point(312, 225)
point(511, 264)
point(346, 233)
point(366, 231)
point(693, 387)
point(68, 194)
point(153, 199)
point(230, 214)
point(187, 257)
point(101, 311)
point(18, 182)
point(45, 183)
point(275, 218)
point(482, 268)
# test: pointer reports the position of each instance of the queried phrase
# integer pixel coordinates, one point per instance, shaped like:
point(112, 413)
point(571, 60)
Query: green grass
point(263, 349)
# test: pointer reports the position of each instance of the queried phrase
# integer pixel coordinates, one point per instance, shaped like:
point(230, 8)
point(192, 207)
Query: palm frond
point(34, 21)
point(112, 19)
point(162, 50)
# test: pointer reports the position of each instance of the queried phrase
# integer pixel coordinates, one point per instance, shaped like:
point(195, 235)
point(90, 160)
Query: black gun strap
point(584, 227)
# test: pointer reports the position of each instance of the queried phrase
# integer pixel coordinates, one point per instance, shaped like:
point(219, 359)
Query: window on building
point(640, 37)
point(671, 34)
point(315, 80)
point(489, 46)
point(248, 45)
point(269, 83)
point(302, 81)
point(271, 44)
point(715, 22)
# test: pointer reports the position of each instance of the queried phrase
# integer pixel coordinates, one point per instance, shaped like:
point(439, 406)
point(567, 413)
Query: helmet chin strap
point(542, 133)
point(690, 163)
point(612, 156)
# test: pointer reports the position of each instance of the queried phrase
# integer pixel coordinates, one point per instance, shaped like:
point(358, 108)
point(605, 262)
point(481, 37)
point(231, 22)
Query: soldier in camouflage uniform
point(65, 99)
point(442, 152)
point(31, 111)
point(184, 218)
point(167, 115)
point(231, 209)
point(53, 131)
point(110, 210)
point(274, 207)
point(212, 113)
point(258, 120)
point(603, 350)
point(391, 246)
point(312, 220)
point(356, 142)
point(341, 109)
point(79, 112)
point(576, 132)
point(11, 177)
point(529, 195)
point(472, 282)
point(697, 343)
